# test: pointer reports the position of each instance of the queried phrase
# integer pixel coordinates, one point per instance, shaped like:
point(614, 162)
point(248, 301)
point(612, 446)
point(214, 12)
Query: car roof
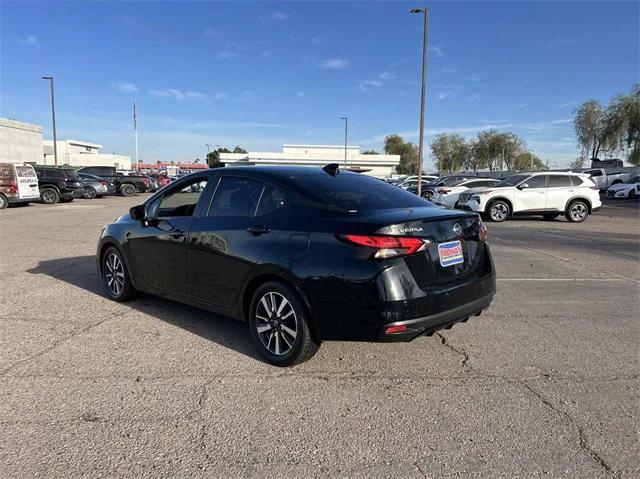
point(276, 171)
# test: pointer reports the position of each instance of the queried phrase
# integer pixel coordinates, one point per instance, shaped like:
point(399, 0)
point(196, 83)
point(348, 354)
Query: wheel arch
point(108, 242)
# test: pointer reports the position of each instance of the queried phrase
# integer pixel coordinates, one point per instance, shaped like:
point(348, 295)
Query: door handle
point(258, 230)
point(177, 234)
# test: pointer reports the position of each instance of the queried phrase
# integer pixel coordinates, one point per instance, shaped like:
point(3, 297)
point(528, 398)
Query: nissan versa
point(302, 255)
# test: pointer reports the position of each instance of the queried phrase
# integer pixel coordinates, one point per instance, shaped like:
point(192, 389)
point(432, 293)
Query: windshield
point(513, 180)
point(353, 192)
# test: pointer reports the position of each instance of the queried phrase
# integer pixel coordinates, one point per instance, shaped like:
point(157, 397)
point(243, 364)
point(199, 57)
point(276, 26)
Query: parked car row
point(21, 184)
point(549, 194)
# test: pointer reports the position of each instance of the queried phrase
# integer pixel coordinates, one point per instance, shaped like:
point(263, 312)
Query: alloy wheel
point(49, 196)
point(499, 212)
point(578, 212)
point(3, 202)
point(114, 274)
point(276, 323)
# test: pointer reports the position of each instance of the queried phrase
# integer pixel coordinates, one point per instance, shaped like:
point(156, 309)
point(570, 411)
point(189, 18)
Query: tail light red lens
point(595, 188)
point(146, 181)
point(104, 183)
point(13, 189)
point(395, 329)
point(388, 246)
point(444, 191)
point(483, 232)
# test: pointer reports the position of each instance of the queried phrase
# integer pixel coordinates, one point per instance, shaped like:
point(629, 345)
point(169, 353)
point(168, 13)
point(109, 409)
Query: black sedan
point(302, 255)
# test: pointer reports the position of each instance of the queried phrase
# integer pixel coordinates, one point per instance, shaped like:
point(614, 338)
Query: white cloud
point(474, 97)
point(449, 69)
point(221, 95)
point(522, 105)
point(177, 94)
point(335, 64)
point(265, 53)
point(301, 94)
point(442, 95)
point(567, 104)
point(279, 16)
point(125, 87)
point(386, 76)
point(30, 40)
point(437, 50)
point(226, 54)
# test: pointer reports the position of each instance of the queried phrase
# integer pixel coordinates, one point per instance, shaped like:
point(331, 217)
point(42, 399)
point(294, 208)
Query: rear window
point(25, 171)
point(354, 192)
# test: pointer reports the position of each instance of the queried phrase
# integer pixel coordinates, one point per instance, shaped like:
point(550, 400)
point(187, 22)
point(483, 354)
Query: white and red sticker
point(450, 253)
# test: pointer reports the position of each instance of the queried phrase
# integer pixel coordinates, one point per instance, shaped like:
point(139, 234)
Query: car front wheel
point(89, 193)
point(577, 211)
point(127, 190)
point(499, 211)
point(116, 276)
point(279, 325)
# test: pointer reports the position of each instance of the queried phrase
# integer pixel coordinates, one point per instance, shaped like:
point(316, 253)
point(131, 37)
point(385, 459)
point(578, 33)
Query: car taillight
point(443, 191)
point(595, 188)
point(146, 181)
point(104, 183)
point(388, 246)
point(13, 188)
point(483, 233)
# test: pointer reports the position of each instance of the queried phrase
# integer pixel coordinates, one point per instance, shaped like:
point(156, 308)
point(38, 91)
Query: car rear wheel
point(577, 212)
point(632, 194)
point(49, 196)
point(499, 211)
point(550, 216)
point(279, 325)
point(116, 276)
point(89, 193)
point(127, 190)
point(3, 202)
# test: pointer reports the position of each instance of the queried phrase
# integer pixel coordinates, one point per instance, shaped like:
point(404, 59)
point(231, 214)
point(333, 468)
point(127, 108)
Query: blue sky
point(262, 74)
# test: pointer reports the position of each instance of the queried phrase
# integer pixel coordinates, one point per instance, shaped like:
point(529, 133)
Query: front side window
point(181, 201)
point(536, 181)
point(236, 197)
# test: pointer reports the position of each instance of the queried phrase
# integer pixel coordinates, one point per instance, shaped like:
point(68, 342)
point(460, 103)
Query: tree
point(451, 152)
point(395, 145)
point(577, 163)
point(528, 161)
point(589, 126)
point(370, 152)
point(238, 149)
point(213, 158)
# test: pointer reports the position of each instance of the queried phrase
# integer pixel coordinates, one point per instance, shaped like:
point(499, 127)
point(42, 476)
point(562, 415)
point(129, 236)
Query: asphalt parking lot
point(546, 383)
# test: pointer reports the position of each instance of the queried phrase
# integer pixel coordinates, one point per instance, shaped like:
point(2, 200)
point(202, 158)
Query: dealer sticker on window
point(450, 253)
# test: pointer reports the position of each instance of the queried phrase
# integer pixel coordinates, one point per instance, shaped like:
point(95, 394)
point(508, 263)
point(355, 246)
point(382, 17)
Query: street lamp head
point(343, 117)
point(47, 78)
point(418, 10)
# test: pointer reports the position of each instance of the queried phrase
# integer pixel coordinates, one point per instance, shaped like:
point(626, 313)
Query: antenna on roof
point(332, 168)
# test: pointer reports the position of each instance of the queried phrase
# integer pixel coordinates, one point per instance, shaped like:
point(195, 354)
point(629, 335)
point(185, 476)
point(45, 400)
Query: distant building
point(82, 153)
point(173, 168)
point(318, 155)
point(20, 142)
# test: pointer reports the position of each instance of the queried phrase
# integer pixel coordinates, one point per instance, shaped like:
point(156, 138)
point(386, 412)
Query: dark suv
point(58, 184)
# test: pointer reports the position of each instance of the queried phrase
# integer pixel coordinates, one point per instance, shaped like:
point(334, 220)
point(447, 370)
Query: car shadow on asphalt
point(80, 271)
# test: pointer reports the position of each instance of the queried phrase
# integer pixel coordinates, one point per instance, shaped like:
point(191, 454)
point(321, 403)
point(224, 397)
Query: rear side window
point(559, 181)
point(236, 197)
point(355, 192)
point(272, 201)
point(575, 180)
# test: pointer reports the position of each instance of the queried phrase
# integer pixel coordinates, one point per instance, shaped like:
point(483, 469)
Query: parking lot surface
point(545, 383)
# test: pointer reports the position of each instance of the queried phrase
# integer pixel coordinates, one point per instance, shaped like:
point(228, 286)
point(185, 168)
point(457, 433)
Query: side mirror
point(138, 213)
point(523, 186)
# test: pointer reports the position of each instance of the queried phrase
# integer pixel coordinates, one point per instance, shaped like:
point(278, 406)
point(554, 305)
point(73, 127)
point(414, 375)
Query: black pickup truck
point(126, 185)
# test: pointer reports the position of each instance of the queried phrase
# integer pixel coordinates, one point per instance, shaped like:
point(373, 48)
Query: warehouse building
point(20, 142)
point(83, 153)
point(381, 166)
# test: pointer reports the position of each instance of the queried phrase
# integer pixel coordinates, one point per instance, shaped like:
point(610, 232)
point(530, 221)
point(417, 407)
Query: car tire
point(89, 193)
point(66, 200)
point(498, 211)
point(280, 325)
point(4, 202)
point(632, 194)
point(116, 276)
point(577, 211)
point(127, 189)
point(49, 196)
point(550, 216)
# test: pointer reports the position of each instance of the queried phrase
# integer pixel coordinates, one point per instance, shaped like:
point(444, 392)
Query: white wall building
point(20, 142)
point(318, 155)
point(82, 153)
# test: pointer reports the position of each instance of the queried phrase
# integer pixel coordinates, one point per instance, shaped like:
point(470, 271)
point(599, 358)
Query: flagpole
point(135, 129)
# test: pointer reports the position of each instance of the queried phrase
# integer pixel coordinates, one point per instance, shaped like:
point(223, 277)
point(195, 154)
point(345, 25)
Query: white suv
point(548, 194)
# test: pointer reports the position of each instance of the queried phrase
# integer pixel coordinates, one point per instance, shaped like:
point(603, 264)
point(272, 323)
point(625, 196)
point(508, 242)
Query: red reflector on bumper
point(394, 329)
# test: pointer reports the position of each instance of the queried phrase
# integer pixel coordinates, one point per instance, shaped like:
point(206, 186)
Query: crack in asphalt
point(584, 442)
point(60, 341)
point(582, 436)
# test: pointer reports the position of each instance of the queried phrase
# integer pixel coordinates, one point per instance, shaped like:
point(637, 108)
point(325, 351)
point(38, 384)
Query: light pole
point(346, 128)
point(424, 92)
point(208, 147)
point(53, 116)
